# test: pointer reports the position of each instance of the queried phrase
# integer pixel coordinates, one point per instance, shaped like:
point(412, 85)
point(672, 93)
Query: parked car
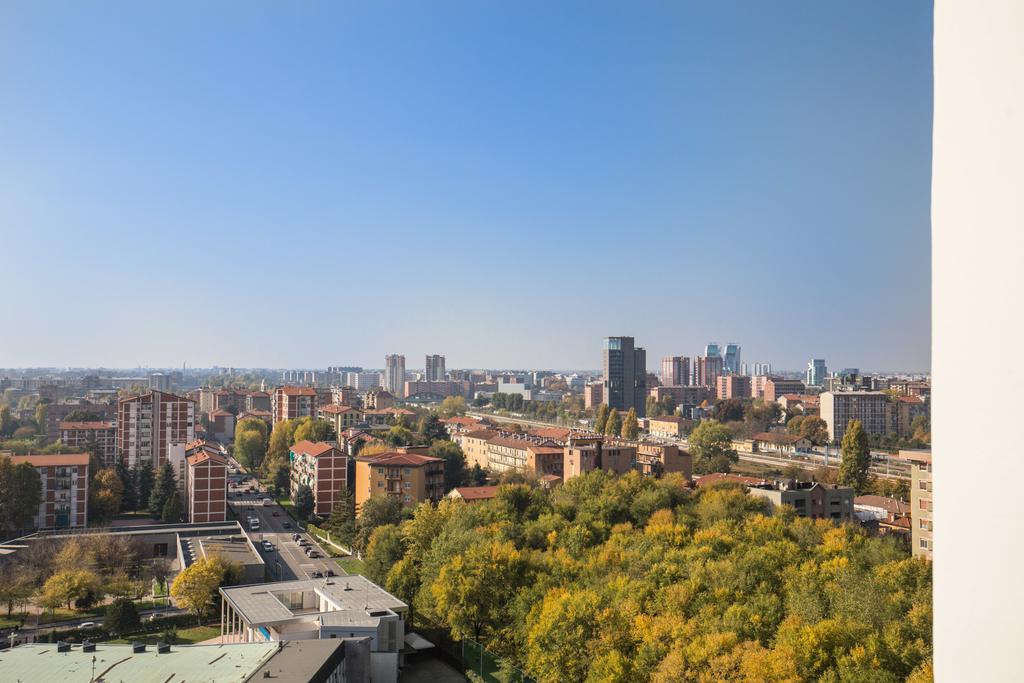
point(313, 554)
point(267, 545)
point(295, 537)
point(275, 513)
point(286, 525)
point(89, 624)
point(316, 575)
point(330, 572)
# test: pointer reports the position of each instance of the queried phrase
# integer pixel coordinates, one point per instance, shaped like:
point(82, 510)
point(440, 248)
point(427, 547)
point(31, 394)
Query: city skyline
point(344, 144)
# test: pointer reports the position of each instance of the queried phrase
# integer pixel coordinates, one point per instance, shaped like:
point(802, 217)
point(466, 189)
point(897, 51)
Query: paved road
point(287, 560)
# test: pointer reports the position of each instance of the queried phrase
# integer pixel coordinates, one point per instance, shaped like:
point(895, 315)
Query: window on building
point(380, 484)
point(408, 484)
point(380, 470)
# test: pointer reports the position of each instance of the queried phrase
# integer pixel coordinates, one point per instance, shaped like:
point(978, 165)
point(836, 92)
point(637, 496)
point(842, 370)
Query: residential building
point(657, 460)
point(362, 381)
point(712, 349)
point(733, 386)
point(154, 428)
point(816, 372)
point(341, 417)
point(780, 443)
point(839, 408)
point(473, 494)
point(222, 425)
point(474, 446)
point(774, 387)
point(625, 375)
point(206, 487)
point(65, 489)
point(593, 395)
point(731, 358)
point(378, 398)
point(434, 390)
point(99, 437)
point(434, 368)
point(809, 499)
point(323, 467)
point(345, 396)
point(686, 398)
point(230, 399)
point(394, 373)
point(805, 404)
point(257, 400)
point(667, 426)
point(264, 415)
point(410, 477)
point(584, 455)
point(291, 403)
point(523, 454)
point(159, 381)
point(707, 370)
point(675, 371)
point(905, 410)
point(55, 413)
point(344, 607)
point(921, 502)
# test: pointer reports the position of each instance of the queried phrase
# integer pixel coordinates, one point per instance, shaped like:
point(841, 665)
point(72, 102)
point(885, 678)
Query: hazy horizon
point(311, 186)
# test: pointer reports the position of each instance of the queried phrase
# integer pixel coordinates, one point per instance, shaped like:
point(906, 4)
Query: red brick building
point(290, 403)
point(733, 386)
point(65, 489)
point(86, 435)
point(206, 487)
point(153, 425)
point(324, 469)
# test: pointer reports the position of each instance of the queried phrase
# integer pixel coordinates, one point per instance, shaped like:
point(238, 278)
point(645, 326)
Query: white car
point(89, 624)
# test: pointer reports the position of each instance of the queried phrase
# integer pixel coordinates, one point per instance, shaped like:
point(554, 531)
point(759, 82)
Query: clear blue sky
point(276, 185)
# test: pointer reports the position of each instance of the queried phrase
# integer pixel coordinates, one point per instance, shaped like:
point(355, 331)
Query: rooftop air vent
point(63, 647)
point(88, 646)
point(138, 647)
point(163, 648)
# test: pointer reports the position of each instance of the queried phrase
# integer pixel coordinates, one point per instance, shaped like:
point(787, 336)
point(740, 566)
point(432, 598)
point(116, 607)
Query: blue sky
point(262, 184)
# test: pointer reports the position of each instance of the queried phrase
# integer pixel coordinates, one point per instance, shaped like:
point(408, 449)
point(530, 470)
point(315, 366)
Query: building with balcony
point(291, 403)
point(921, 502)
point(323, 467)
point(206, 487)
point(870, 407)
point(65, 489)
point(99, 437)
point(154, 428)
point(341, 417)
point(410, 477)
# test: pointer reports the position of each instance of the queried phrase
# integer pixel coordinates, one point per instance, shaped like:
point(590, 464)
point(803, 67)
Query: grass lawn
point(186, 636)
point(352, 566)
point(63, 614)
point(11, 621)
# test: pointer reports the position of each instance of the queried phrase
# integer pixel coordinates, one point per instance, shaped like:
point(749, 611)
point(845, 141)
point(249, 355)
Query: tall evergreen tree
point(130, 497)
point(856, 464)
point(601, 418)
point(143, 475)
point(173, 509)
point(163, 488)
point(342, 521)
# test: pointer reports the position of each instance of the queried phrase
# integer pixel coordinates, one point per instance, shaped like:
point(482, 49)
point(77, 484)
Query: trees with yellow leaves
point(195, 588)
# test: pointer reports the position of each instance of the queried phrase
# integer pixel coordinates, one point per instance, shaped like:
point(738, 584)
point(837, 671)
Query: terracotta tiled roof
point(559, 433)
point(398, 458)
point(463, 420)
point(890, 505)
point(51, 460)
point(485, 434)
point(203, 456)
point(298, 391)
point(312, 449)
point(476, 492)
point(777, 437)
point(335, 409)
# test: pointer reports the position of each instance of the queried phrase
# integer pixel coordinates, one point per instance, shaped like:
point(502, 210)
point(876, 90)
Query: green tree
point(601, 418)
point(70, 586)
point(454, 463)
point(163, 487)
point(251, 443)
point(375, 512)
point(277, 451)
point(311, 429)
point(21, 492)
point(105, 494)
point(614, 424)
point(431, 429)
point(303, 502)
point(452, 406)
point(815, 430)
point(7, 423)
point(121, 617)
point(711, 446)
point(129, 486)
point(651, 407)
point(17, 585)
point(856, 464)
point(173, 509)
point(342, 520)
point(630, 426)
point(283, 478)
point(398, 436)
point(383, 551)
point(477, 475)
point(144, 477)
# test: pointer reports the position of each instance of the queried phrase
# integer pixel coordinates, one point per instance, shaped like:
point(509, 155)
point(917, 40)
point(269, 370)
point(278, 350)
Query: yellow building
point(410, 477)
point(340, 417)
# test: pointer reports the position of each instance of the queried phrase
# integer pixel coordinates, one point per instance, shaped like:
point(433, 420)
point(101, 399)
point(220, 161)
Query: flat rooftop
point(258, 603)
point(184, 663)
point(234, 548)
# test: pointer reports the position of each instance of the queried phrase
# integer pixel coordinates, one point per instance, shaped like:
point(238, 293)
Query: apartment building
point(870, 407)
point(434, 368)
point(86, 436)
point(206, 487)
point(474, 446)
point(776, 387)
point(733, 386)
point(55, 413)
point(904, 411)
point(257, 400)
point(657, 460)
point(438, 388)
point(291, 403)
point(666, 426)
point(809, 499)
point(410, 477)
point(378, 398)
point(229, 400)
point(341, 417)
point(154, 428)
point(586, 454)
point(921, 502)
point(394, 373)
point(675, 371)
point(324, 469)
point(625, 375)
point(593, 395)
point(707, 370)
point(65, 489)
